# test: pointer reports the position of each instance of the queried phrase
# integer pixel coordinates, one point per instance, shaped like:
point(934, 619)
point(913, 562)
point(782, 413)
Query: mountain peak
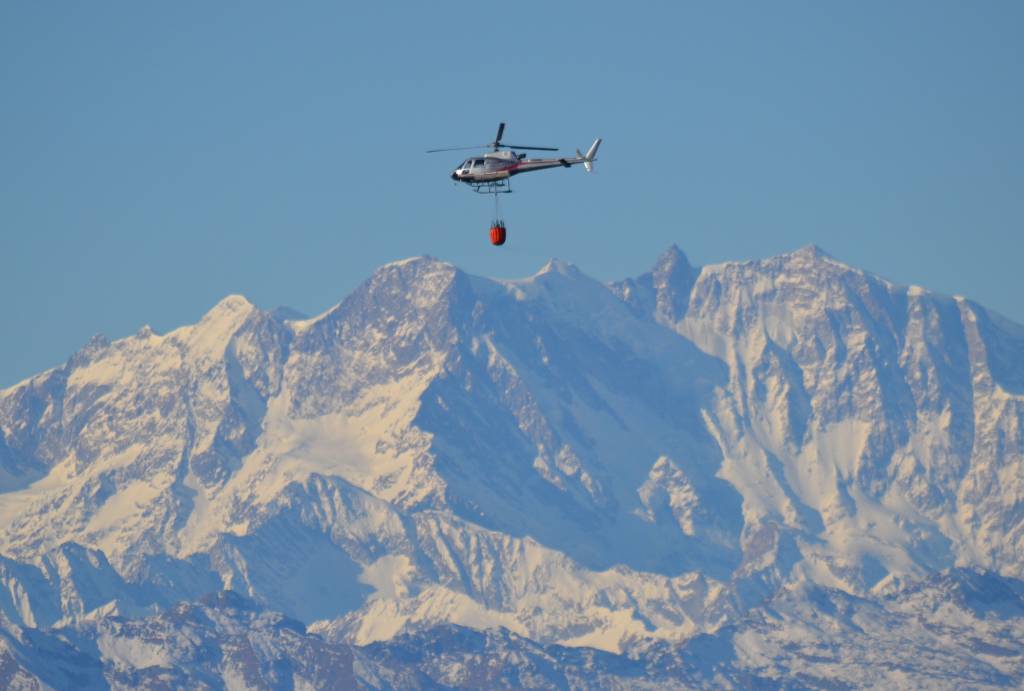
point(673, 280)
point(418, 263)
point(809, 263)
point(671, 258)
point(227, 315)
point(812, 250)
point(96, 345)
point(664, 291)
point(425, 276)
point(812, 254)
point(556, 265)
point(211, 335)
point(232, 305)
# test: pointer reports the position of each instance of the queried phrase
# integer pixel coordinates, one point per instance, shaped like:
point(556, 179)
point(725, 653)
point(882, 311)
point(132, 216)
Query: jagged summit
point(671, 258)
point(664, 290)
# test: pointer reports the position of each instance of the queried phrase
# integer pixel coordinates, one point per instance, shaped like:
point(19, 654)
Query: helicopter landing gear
point(498, 225)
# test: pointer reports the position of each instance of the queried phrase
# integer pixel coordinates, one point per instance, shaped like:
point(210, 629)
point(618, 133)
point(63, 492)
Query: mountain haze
point(785, 472)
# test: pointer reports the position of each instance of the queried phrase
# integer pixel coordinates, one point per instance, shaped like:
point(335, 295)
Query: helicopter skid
point(491, 187)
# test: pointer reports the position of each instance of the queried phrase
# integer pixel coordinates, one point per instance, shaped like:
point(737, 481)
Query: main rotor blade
point(458, 148)
point(533, 148)
point(501, 131)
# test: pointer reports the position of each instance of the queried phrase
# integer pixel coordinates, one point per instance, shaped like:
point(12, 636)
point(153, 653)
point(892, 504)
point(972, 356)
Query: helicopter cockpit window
point(478, 163)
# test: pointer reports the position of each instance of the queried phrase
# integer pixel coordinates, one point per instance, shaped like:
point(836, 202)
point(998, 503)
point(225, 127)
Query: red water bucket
point(498, 234)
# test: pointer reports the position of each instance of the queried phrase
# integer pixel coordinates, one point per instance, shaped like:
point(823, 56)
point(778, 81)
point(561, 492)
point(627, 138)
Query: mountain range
point(782, 473)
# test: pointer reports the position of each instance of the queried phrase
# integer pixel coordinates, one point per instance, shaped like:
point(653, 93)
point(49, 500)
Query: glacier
point(786, 472)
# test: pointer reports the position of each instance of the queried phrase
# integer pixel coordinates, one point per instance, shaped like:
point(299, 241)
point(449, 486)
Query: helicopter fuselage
point(501, 165)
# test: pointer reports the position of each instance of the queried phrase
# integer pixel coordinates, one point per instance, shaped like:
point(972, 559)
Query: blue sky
point(156, 157)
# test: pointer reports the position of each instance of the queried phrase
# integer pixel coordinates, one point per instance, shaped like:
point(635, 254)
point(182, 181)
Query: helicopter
point(490, 172)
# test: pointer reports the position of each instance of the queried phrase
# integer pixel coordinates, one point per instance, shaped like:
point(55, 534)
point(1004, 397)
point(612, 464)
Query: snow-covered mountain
point(749, 472)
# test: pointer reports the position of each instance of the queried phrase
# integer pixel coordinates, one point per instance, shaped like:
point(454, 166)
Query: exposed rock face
point(640, 468)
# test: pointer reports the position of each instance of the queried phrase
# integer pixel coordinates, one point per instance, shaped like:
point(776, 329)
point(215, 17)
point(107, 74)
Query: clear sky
point(155, 157)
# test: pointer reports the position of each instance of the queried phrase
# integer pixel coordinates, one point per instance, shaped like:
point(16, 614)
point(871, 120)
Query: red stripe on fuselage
point(514, 168)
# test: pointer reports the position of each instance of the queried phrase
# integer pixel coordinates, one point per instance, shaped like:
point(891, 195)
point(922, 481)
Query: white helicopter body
point(489, 172)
